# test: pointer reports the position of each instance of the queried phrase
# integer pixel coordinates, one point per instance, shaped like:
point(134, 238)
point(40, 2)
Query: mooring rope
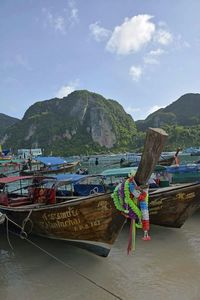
point(24, 234)
point(2, 218)
point(7, 233)
point(57, 259)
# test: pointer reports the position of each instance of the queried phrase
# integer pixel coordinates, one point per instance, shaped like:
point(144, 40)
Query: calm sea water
point(167, 267)
point(111, 162)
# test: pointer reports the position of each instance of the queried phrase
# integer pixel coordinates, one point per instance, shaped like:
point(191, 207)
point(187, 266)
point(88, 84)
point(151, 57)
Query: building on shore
point(29, 153)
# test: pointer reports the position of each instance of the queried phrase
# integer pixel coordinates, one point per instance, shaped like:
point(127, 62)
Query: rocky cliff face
point(83, 122)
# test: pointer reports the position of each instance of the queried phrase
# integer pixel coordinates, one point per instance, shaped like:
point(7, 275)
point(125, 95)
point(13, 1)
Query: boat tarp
point(14, 178)
point(119, 171)
point(50, 160)
point(69, 177)
point(183, 168)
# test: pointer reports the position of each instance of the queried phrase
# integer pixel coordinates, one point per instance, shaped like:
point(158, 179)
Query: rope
point(23, 233)
point(60, 261)
point(2, 218)
point(7, 233)
point(94, 190)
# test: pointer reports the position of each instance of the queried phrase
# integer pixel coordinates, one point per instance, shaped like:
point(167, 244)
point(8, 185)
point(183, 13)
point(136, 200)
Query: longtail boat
point(49, 165)
point(172, 206)
point(169, 160)
point(169, 206)
point(90, 221)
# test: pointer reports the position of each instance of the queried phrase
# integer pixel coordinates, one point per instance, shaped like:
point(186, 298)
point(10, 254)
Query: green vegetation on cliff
point(87, 123)
point(82, 123)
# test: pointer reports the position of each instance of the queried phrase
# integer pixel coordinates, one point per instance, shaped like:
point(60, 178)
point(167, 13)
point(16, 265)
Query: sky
point(142, 53)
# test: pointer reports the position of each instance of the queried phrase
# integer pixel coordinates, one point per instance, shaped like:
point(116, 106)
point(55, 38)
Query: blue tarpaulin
point(69, 177)
point(5, 152)
point(50, 160)
point(183, 168)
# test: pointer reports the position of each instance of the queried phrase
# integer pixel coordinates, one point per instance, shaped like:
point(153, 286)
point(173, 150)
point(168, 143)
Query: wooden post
point(153, 147)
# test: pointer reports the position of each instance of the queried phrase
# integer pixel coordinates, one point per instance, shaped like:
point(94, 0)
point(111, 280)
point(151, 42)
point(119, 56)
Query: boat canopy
point(119, 172)
point(50, 160)
point(64, 179)
point(10, 179)
point(183, 168)
point(70, 177)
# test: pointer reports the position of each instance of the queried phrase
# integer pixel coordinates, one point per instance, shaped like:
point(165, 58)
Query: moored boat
point(169, 205)
point(91, 221)
point(49, 165)
point(172, 206)
point(168, 161)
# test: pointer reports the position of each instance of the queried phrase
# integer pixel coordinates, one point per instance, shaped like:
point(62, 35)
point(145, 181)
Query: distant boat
point(168, 161)
point(193, 151)
point(49, 165)
point(183, 173)
point(164, 160)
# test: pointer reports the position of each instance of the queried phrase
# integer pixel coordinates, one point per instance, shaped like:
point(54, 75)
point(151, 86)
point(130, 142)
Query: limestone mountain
point(181, 120)
point(81, 123)
point(5, 123)
point(184, 112)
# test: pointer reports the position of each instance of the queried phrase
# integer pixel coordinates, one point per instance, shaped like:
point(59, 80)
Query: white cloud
point(153, 55)
point(132, 35)
point(157, 52)
point(151, 60)
point(181, 43)
point(73, 12)
point(135, 72)
point(99, 32)
point(60, 21)
point(65, 90)
point(163, 37)
point(57, 22)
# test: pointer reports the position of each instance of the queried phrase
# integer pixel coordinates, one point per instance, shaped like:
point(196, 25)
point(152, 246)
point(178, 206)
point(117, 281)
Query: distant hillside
point(181, 120)
point(185, 112)
point(81, 123)
point(87, 123)
point(5, 123)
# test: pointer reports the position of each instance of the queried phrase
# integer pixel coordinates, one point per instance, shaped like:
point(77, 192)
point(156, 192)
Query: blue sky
point(142, 53)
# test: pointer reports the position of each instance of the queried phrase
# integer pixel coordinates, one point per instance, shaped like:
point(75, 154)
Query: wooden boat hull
point(166, 161)
point(91, 222)
point(172, 206)
point(185, 177)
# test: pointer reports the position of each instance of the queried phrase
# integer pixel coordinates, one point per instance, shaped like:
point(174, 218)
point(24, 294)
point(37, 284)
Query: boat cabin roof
point(10, 179)
point(119, 171)
point(50, 160)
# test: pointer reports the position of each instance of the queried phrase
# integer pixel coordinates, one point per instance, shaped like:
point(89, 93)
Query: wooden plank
point(153, 147)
